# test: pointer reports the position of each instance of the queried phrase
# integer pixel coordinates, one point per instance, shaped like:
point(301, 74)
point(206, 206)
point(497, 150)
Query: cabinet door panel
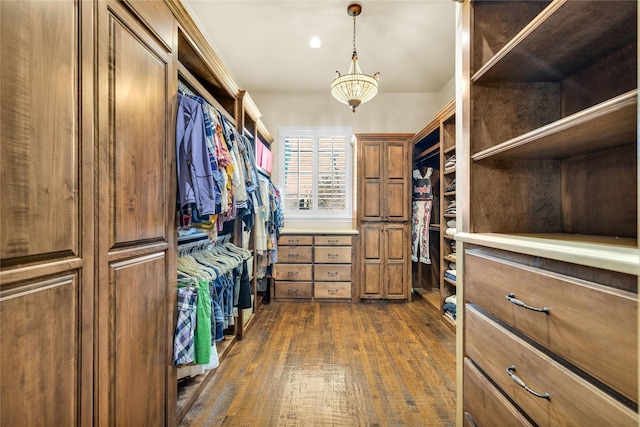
point(396, 160)
point(396, 280)
point(140, 342)
point(372, 279)
point(40, 356)
point(372, 159)
point(137, 94)
point(372, 208)
point(372, 242)
point(39, 132)
point(395, 201)
point(397, 242)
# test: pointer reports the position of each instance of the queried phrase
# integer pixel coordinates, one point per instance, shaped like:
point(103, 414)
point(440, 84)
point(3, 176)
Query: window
point(317, 171)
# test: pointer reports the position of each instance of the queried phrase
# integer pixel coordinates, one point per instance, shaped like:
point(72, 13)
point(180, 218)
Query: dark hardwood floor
point(335, 364)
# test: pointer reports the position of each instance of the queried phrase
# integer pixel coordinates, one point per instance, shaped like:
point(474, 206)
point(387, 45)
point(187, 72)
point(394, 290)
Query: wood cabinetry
point(384, 180)
point(385, 266)
point(548, 196)
point(314, 266)
point(435, 147)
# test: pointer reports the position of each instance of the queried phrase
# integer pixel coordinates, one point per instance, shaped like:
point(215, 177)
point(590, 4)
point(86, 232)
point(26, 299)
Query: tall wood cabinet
point(547, 186)
point(384, 181)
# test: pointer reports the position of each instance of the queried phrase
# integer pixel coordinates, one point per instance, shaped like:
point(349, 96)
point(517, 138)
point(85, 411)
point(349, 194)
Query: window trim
point(315, 132)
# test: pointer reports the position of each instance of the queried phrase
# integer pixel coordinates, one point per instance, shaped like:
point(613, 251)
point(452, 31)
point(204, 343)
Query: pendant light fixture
point(354, 88)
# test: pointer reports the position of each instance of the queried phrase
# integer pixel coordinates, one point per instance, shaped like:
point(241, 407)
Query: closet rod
point(427, 154)
point(190, 80)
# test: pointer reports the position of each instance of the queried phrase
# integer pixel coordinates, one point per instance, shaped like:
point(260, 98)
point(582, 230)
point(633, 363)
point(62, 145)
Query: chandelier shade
point(354, 88)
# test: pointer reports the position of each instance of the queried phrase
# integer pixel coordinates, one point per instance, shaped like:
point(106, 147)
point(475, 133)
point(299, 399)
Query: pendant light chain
point(354, 36)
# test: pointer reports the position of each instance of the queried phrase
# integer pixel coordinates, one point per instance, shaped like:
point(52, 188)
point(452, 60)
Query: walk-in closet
point(312, 213)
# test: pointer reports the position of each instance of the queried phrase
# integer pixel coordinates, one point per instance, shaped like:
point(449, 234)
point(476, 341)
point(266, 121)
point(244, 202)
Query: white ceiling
point(265, 44)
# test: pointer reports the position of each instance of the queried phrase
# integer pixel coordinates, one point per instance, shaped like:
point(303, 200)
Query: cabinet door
point(46, 231)
point(136, 248)
point(396, 251)
point(396, 197)
point(372, 260)
point(371, 161)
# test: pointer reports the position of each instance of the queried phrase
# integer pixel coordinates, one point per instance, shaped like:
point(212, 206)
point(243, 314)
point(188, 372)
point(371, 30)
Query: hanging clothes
point(421, 216)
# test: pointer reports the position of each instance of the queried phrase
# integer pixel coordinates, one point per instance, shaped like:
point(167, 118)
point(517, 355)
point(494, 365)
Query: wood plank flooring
point(335, 364)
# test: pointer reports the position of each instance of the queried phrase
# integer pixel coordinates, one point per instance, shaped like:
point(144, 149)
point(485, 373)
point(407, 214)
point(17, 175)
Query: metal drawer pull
point(292, 291)
point(332, 291)
point(293, 240)
point(511, 297)
point(332, 241)
point(333, 255)
point(293, 255)
point(292, 273)
point(332, 273)
point(511, 369)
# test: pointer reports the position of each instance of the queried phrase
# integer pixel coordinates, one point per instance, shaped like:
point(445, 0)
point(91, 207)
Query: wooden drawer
point(338, 290)
point(585, 323)
point(295, 240)
point(572, 401)
point(484, 402)
point(330, 272)
point(296, 272)
point(301, 254)
point(293, 290)
point(332, 240)
point(332, 255)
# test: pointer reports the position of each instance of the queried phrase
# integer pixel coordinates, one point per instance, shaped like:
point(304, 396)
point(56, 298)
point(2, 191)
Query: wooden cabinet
point(548, 180)
point(383, 162)
point(385, 263)
point(384, 204)
point(314, 266)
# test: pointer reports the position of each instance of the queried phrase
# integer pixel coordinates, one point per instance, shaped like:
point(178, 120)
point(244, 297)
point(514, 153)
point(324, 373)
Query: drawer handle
point(511, 369)
point(292, 291)
point(333, 255)
point(332, 241)
point(293, 240)
point(292, 273)
point(512, 298)
point(332, 291)
point(293, 255)
point(332, 273)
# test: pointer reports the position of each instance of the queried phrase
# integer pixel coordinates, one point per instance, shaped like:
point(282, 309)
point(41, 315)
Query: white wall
point(447, 93)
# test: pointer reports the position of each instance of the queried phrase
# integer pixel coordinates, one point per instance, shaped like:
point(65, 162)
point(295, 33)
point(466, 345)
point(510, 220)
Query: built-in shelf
point(450, 149)
point(605, 125)
point(449, 281)
point(449, 215)
point(449, 171)
point(565, 37)
point(450, 193)
point(451, 258)
point(431, 151)
point(610, 253)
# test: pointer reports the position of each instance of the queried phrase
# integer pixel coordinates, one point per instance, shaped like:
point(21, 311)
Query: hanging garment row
point(216, 167)
point(212, 280)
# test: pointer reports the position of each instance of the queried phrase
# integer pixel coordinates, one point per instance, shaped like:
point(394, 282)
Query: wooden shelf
point(610, 253)
point(450, 171)
point(449, 281)
point(565, 37)
point(450, 193)
point(451, 258)
point(605, 125)
point(449, 215)
point(450, 149)
point(425, 153)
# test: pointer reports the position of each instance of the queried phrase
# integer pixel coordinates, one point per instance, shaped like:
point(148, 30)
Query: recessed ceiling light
point(315, 42)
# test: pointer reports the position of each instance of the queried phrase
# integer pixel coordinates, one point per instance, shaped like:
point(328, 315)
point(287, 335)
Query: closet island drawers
point(317, 266)
point(569, 316)
point(548, 392)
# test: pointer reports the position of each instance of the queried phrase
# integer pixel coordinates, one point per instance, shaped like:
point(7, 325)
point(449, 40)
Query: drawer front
point(330, 272)
point(485, 404)
point(337, 290)
point(296, 272)
point(572, 400)
point(332, 240)
point(329, 255)
point(286, 239)
point(293, 290)
point(578, 323)
point(302, 254)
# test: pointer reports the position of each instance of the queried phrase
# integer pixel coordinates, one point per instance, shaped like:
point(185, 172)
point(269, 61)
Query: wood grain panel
point(397, 243)
point(372, 278)
point(372, 242)
point(39, 380)
point(577, 326)
point(332, 240)
point(293, 271)
point(158, 18)
point(39, 133)
point(332, 290)
point(139, 341)
point(288, 239)
point(502, 111)
point(516, 196)
point(396, 162)
point(484, 402)
point(333, 255)
point(371, 160)
point(329, 272)
point(372, 208)
point(301, 254)
point(396, 200)
point(489, 38)
point(573, 401)
point(301, 290)
point(138, 98)
point(600, 194)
